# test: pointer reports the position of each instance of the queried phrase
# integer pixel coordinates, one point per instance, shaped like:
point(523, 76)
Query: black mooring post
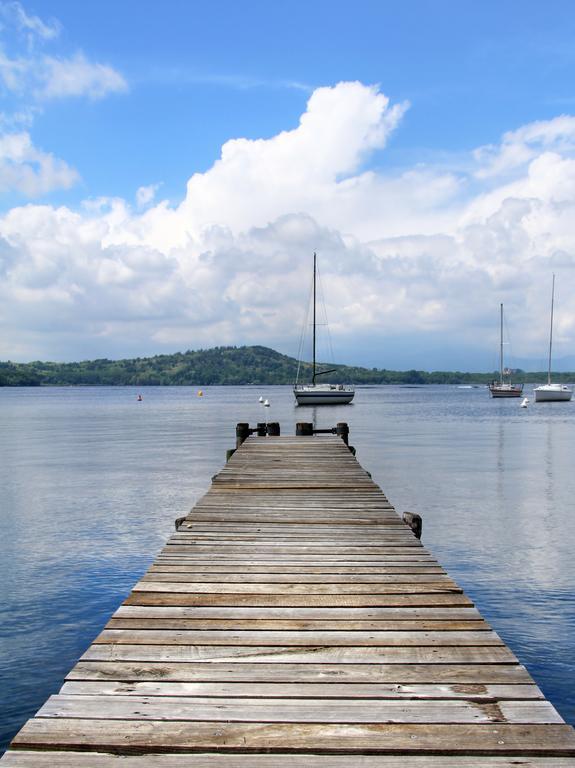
point(303, 429)
point(274, 429)
point(342, 430)
point(414, 521)
point(262, 429)
point(242, 433)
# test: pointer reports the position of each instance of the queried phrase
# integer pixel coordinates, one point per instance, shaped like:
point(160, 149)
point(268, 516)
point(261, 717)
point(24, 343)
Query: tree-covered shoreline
point(226, 366)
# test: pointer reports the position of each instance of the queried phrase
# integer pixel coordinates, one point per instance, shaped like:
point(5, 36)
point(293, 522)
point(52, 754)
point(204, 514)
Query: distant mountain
point(222, 365)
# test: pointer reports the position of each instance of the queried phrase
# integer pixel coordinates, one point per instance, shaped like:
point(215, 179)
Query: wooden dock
point(295, 620)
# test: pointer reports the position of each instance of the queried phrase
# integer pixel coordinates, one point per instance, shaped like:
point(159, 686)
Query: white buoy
point(267, 403)
point(524, 402)
point(261, 399)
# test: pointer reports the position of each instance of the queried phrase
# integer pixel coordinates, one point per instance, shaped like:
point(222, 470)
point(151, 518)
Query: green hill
point(222, 365)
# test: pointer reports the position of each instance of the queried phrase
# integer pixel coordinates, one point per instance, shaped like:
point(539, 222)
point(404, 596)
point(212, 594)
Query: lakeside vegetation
point(227, 365)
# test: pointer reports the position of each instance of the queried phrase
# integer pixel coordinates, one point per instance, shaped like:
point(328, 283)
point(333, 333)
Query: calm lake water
point(91, 481)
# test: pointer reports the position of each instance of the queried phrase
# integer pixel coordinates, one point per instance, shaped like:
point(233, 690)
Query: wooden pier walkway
point(295, 621)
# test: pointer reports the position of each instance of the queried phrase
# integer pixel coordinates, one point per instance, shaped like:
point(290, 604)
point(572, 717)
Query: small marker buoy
point(140, 398)
point(200, 393)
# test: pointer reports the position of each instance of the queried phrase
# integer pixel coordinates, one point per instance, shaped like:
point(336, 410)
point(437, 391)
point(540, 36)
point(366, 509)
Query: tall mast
point(314, 280)
point(501, 347)
point(551, 331)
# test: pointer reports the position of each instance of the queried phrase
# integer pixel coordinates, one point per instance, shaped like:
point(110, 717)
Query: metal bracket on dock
point(304, 428)
point(414, 521)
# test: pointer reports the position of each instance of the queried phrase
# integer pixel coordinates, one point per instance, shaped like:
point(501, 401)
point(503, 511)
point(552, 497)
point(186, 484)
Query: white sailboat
point(321, 394)
point(552, 392)
point(504, 388)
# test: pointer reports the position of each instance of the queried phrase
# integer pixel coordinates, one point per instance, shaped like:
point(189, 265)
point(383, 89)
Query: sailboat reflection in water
point(319, 394)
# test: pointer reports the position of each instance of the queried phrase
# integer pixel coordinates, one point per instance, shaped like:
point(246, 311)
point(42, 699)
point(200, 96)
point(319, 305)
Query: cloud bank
point(416, 259)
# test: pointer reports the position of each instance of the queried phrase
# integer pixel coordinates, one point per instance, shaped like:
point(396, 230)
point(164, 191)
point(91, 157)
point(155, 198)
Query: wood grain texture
point(129, 736)
point(296, 710)
point(384, 638)
point(464, 674)
point(310, 654)
point(25, 759)
point(341, 691)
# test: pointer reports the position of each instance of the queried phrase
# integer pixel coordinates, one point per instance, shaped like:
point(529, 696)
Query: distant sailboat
point(504, 388)
point(552, 392)
point(321, 394)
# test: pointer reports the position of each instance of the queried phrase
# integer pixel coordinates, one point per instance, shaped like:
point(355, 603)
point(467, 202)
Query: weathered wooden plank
point(171, 598)
point(463, 674)
point(391, 525)
point(365, 519)
point(291, 497)
point(346, 614)
point(302, 561)
point(293, 539)
point(50, 759)
point(271, 571)
point(217, 530)
point(293, 588)
point(399, 537)
point(479, 692)
point(305, 655)
point(340, 500)
point(342, 506)
point(391, 548)
point(304, 505)
point(296, 710)
point(310, 485)
point(401, 638)
point(313, 533)
point(367, 580)
point(124, 737)
point(293, 624)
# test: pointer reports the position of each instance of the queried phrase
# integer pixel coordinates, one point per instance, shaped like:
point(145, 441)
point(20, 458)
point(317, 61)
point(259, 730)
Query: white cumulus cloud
point(30, 171)
point(299, 169)
point(145, 195)
point(413, 262)
point(518, 147)
point(59, 78)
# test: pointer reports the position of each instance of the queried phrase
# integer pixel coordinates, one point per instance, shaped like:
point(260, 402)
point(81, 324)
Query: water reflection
point(548, 463)
point(91, 481)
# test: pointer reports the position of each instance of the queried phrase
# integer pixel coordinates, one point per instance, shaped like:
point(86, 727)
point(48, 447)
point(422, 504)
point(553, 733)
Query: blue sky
point(435, 184)
point(201, 73)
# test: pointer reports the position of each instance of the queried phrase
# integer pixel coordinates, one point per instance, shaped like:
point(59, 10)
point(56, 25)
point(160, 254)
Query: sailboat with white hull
point(552, 392)
point(504, 388)
point(321, 394)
